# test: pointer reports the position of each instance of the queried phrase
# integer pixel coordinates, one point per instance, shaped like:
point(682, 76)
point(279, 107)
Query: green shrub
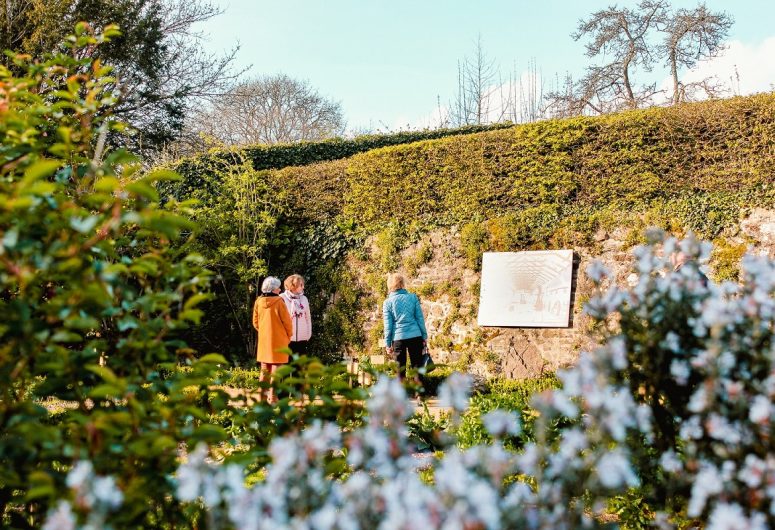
point(632, 510)
point(95, 300)
point(99, 293)
point(506, 394)
point(426, 431)
point(426, 290)
point(474, 240)
point(431, 381)
point(420, 257)
point(389, 242)
point(726, 258)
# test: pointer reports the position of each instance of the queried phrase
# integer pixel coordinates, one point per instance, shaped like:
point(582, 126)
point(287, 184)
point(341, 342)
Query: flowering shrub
point(678, 399)
point(381, 488)
point(99, 288)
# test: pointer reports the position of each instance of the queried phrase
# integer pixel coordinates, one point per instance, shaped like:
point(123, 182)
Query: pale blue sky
point(389, 61)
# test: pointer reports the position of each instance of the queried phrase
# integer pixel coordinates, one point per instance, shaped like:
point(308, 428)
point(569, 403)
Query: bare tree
point(521, 97)
point(619, 34)
point(690, 36)
point(531, 95)
point(562, 101)
point(477, 79)
point(274, 109)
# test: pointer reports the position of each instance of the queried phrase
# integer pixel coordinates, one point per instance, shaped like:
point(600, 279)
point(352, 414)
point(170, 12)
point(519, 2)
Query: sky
point(393, 64)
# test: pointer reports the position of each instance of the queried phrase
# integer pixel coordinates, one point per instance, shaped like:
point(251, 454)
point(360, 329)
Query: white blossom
point(190, 474)
point(618, 350)
point(761, 410)
point(501, 423)
point(669, 462)
point(753, 471)
point(62, 518)
point(80, 475)
point(699, 400)
point(691, 429)
point(707, 483)
point(614, 470)
point(596, 271)
point(731, 517)
point(455, 390)
point(680, 370)
point(106, 491)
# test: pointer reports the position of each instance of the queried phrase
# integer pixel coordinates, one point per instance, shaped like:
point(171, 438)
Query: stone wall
point(449, 291)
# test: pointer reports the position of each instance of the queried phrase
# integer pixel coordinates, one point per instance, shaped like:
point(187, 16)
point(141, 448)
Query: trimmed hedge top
point(278, 156)
point(701, 162)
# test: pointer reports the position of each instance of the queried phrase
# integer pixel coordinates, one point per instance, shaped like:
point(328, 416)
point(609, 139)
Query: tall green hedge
point(699, 162)
point(196, 170)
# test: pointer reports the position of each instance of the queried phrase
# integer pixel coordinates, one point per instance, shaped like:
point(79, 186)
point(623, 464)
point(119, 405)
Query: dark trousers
point(411, 346)
point(299, 347)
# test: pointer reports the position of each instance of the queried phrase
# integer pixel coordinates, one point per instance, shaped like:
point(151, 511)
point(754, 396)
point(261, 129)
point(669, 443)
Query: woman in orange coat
point(273, 323)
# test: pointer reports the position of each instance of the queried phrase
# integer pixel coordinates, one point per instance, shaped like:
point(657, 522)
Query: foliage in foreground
point(95, 296)
point(716, 464)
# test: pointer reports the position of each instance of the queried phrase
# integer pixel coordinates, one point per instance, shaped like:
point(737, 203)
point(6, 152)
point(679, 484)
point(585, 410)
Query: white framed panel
point(526, 289)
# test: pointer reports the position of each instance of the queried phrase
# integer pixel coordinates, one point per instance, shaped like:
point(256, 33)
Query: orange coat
point(273, 323)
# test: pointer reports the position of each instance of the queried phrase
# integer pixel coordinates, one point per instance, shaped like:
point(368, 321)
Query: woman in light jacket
point(298, 307)
point(273, 323)
point(404, 325)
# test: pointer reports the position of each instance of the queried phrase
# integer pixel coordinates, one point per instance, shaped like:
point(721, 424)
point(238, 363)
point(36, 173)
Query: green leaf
point(159, 175)
point(40, 492)
point(209, 433)
point(104, 391)
point(104, 372)
point(195, 300)
point(40, 169)
point(128, 322)
point(82, 323)
point(143, 189)
point(163, 443)
point(40, 188)
point(212, 358)
point(191, 315)
point(107, 184)
point(84, 225)
point(66, 336)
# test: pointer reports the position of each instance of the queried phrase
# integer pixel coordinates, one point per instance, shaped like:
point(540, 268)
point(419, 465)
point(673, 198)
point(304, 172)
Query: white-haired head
point(270, 284)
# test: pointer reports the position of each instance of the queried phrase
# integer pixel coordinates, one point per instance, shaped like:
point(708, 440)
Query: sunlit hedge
point(197, 171)
point(696, 165)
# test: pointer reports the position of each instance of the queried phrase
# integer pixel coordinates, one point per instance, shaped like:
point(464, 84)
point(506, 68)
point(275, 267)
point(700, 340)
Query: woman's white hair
point(270, 284)
point(395, 281)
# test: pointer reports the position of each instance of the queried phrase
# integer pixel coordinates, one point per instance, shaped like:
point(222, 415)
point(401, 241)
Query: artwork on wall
point(526, 289)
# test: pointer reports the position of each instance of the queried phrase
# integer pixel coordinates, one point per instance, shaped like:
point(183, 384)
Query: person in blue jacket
point(405, 331)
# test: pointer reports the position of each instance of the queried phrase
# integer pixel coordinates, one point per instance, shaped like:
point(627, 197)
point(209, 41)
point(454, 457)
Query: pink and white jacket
point(298, 307)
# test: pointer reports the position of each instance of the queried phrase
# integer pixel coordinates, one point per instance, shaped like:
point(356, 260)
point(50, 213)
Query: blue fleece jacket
point(403, 317)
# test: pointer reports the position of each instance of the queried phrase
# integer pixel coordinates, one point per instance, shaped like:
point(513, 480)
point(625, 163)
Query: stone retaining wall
point(525, 352)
